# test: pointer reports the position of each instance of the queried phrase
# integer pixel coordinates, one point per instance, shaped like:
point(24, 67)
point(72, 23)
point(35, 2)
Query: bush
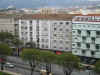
point(3, 73)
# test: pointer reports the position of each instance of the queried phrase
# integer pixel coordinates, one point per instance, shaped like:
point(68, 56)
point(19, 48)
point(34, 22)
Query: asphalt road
point(23, 68)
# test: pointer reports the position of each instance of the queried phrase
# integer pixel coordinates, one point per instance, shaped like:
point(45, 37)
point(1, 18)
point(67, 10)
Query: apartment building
point(48, 31)
point(86, 35)
point(7, 23)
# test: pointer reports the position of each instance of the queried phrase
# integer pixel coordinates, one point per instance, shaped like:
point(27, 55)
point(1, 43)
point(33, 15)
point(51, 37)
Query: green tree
point(97, 67)
point(30, 45)
point(5, 37)
point(69, 62)
point(32, 56)
point(5, 51)
point(18, 44)
point(48, 58)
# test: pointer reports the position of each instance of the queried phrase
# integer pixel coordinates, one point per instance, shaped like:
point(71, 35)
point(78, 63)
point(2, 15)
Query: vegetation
point(4, 51)
point(3, 73)
point(5, 37)
point(69, 62)
point(97, 67)
point(10, 39)
point(32, 57)
point(48, 58)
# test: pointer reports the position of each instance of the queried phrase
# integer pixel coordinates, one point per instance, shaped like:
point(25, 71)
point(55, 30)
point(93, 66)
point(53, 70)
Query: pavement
point(12, 73)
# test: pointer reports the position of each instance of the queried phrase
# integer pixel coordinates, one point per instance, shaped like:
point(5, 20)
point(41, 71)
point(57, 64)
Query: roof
point(47, 16)
point(87, 18)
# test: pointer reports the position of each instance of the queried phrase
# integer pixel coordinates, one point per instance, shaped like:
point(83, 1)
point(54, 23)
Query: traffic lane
point(21, 71)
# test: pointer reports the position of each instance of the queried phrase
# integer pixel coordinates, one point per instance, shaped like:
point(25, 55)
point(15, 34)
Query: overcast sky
point(45, 3)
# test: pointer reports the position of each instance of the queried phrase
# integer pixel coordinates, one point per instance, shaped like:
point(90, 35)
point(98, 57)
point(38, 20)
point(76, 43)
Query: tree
point(48, 58)
point(5, 51)
point(17, 44)
point(32, 56)
point(5, 37)
point(69, 62)
point(97, 67)
point(30, 45)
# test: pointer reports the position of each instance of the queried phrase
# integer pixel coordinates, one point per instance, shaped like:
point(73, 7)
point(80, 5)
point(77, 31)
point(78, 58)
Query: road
point(23, 68)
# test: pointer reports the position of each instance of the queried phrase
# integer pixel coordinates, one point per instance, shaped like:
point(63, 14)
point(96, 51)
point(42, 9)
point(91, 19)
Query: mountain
point(46, 3)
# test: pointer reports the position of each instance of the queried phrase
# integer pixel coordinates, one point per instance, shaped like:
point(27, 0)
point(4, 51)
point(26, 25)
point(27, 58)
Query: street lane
point(24, 68)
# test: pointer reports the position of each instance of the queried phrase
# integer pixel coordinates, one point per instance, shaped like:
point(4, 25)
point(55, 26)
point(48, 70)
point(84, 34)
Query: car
point(9, 65)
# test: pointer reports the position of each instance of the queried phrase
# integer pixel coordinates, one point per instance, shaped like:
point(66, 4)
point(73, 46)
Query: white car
point(10, 65)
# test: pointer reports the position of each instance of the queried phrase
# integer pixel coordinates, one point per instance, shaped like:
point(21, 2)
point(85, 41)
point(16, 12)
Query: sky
point(45, 3)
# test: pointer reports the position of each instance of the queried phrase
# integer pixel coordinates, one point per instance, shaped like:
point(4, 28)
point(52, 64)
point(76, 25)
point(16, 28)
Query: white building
point(47, 31)
point(86, 35)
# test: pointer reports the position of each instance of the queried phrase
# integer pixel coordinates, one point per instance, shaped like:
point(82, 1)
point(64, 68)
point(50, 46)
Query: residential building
point(7, 23)
point(48, 31)
point(86, 35)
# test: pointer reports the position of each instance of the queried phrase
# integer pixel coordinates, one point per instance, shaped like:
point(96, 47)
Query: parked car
point(9, 65)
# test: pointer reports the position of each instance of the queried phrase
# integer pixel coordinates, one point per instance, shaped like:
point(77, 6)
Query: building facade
point(86, 36)
point(7, 24)
point(47, 31)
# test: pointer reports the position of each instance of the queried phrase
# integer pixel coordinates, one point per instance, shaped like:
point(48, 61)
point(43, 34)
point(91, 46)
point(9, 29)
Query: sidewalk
point(12, 73)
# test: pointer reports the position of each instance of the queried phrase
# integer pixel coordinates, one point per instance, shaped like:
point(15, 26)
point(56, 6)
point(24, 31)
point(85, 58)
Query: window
point(55, 35)
point(93, 39)
point(55, 23)
point(22, 22)
point(73, 31)
point(30, 22)
point(67, 29)
point(45, 29)
point(60, 29)
point(97, 32)
point(31, 38)
point(73, 44)
point(42, 40)
point(78, 44)
point(67, 42)
point(55, 41)
point(25, 33)
point(84, 38)
point(30, 33)
point(83, 51)
point(61, 41)
point(61, 22)
point(25, 27)
point(55, 28)
point(97, 46)
point(30, 28)
point(79, 31)
point(54, 47)
point(92, 52)
point(88, 45)
point(42, 45)
point(67, 23)
point(88, 32)
point(66, 48)
point(46, 46)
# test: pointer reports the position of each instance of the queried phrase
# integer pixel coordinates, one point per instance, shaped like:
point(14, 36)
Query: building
point(7, 23)
point(86, 35)
point(48, 31)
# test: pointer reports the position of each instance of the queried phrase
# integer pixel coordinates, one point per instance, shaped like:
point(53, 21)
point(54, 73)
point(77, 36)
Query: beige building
point(7, 23)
